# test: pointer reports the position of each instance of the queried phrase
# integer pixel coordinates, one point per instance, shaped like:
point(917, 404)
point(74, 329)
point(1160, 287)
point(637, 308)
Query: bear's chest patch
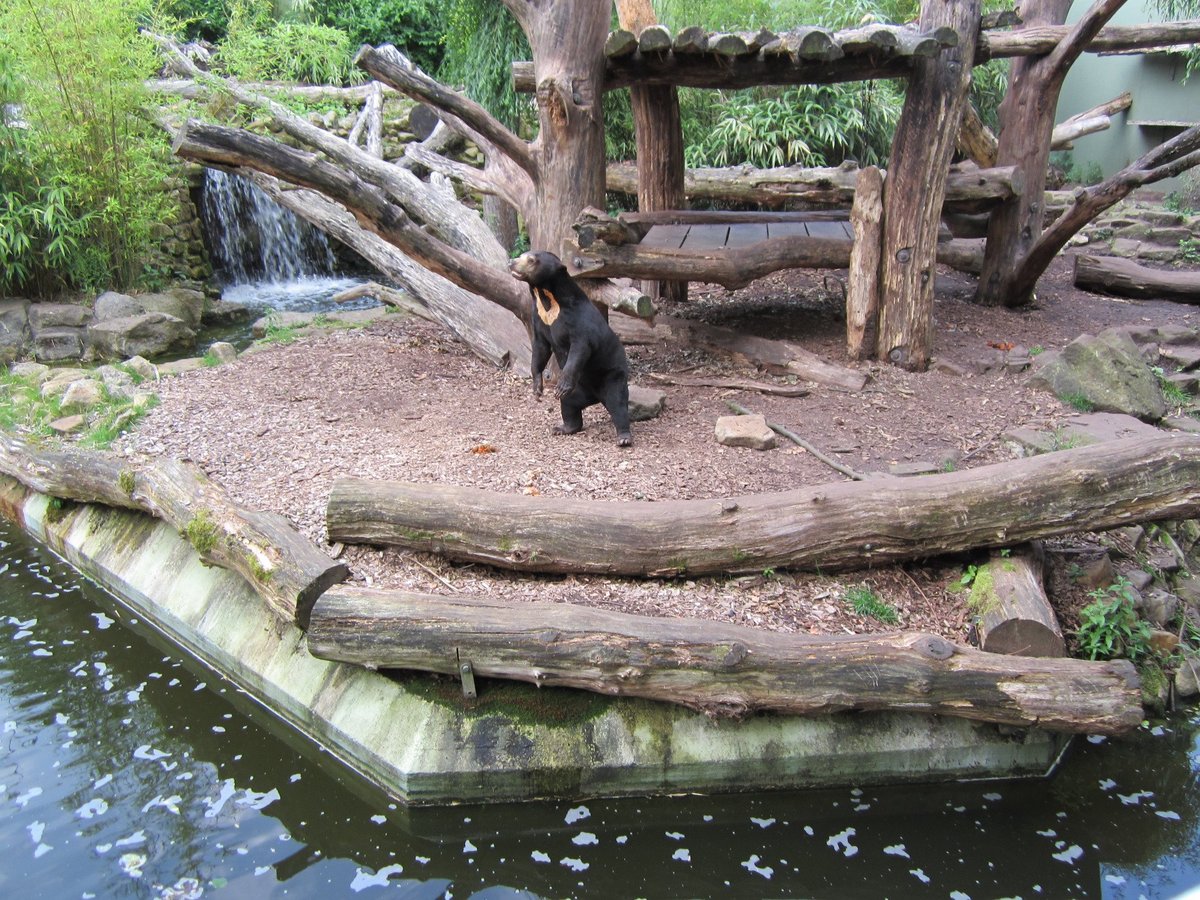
point(546, 304)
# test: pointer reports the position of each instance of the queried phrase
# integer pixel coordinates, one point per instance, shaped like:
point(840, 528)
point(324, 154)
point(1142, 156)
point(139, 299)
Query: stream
point(128, 769)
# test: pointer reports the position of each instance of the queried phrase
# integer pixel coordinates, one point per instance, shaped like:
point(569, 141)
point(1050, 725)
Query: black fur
point(593, 365)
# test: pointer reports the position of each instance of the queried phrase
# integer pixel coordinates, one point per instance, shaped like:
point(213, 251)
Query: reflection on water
point(127, 771)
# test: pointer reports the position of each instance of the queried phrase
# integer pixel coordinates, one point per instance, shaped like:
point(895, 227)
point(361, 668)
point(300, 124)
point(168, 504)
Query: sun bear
point(594, 368)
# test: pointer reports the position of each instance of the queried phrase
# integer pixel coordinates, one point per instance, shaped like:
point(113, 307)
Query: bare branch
point(1078, 38)
point(389, 65)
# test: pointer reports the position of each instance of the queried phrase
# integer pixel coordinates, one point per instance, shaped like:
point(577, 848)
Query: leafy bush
point(812, 125)
point(206, 19)
point(1109, 627)
point(258, 48)
point(77, 147)
point(415, 26)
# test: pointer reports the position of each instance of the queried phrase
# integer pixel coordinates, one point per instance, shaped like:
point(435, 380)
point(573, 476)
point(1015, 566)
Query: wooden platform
point(736, 236)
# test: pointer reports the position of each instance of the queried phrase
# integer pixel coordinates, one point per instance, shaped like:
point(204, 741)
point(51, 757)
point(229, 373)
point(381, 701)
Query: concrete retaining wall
point(418, 739)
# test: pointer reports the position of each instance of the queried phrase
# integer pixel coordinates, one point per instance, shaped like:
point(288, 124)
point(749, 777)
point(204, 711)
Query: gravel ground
point(400, 399)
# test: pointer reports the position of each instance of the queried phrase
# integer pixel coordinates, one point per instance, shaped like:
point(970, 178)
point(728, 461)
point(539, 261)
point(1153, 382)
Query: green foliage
point(1175, 396)
point(812, 125)
point(79, 150)
point(482, 40)
point(258, 48)
point(865, 602)
point(1176, 10)
point(1079, 402)
point(1177, 203)
point(1109, 627)
point(24, 411)
point(415, 26)
point(1189, 251)
point(968, 576)
point(201, 531)
point(200, 19)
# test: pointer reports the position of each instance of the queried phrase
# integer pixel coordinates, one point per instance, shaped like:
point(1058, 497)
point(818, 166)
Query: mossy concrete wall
point(415, 736)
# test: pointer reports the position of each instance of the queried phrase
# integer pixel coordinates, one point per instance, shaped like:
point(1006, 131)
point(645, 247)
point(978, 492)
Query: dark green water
point(128, 771)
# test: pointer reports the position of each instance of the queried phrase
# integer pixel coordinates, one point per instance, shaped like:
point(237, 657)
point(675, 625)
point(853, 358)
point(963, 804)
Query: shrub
point(415, 26)
point(258, 48)
point(1109, 627)
point(77, 152)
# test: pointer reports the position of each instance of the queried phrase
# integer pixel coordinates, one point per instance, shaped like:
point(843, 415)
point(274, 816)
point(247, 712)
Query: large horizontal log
point(1125, 278)
point(734, 268)
point(966, 191)
point(286, 569)
point(831, 527)
point(719, 668)
point(780, 63)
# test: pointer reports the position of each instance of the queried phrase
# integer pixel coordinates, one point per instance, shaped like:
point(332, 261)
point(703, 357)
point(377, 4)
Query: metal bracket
point(468, 678)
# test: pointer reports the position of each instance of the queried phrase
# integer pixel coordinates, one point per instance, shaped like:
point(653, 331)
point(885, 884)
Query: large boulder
point(57, 344)
point(150, 334)
point(1106, 371)
point(14, 329)
point(183, 303)
point(112, 305)
point(58, 315)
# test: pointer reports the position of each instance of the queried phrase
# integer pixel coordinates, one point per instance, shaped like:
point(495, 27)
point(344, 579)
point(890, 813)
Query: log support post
point(916, 185)
point(862, 295)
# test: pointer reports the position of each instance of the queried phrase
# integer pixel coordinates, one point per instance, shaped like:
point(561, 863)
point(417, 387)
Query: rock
point(226, 312)
point(116, 382)
point(57, 344)
point(1163, 642)
point(82, 394)
point(745, 431)
point(1187, 357)
point(1080, 431)
point(145, 370)
point(1105, 371)
point(149, 334)
point(14, 329)
point(1095, 573)
point(224, 352)
point(182, 303)
point(112, 305)
point(61, 379)
point(179, 366)
point(1188, 590)
point(32, 370)
point(947, 368)
point(1159, 334)
point(1159, 607)
point(67, 424)
point(1139, 579)
point(58, 315)
point(1187, 676)
point(1188, 382)
point(645, 403)
point(1182, 423)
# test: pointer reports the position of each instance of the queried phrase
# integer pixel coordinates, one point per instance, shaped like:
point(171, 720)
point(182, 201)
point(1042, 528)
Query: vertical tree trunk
point(659, 133)
point(862, 296)
point(916, 185)
point(567, 39)
point(1026, 122)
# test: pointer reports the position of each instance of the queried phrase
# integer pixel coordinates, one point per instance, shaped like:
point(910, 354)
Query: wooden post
point(1015, 617)
point(862, 297)
point(659, 133)
point(916, 185)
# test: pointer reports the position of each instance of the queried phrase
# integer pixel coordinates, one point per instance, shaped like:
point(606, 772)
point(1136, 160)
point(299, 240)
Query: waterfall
point(254, 239)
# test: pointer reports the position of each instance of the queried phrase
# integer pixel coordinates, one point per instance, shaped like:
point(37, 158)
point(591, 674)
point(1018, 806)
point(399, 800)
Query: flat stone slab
point(1080, 431)
point(416, 737)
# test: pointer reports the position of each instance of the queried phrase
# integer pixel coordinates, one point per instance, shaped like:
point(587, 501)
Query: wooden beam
point(718, 668)
point(831, 527)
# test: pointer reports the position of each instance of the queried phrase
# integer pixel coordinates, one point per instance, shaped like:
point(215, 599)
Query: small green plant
point(1060, 440)
point(865, 602)
point(126, 482)
point(1189, 251)
point(768, 573)
point(1175, 396)
point(1109, 626)
point(1079, 402)
point(260, 572)
point(280, 334)
point(968, 576)
point(201, 531)
point(1036, 349)
point(1176, 203)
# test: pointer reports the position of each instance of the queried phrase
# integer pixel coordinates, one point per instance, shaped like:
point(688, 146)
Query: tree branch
point(389, 65)
point(1072, 46)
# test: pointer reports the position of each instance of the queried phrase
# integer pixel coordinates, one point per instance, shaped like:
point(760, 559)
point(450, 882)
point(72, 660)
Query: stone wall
point(180, 255)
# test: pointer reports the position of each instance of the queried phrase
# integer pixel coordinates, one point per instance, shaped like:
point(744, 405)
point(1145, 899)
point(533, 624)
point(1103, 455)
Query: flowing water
point(266, 257)
point(128, 770)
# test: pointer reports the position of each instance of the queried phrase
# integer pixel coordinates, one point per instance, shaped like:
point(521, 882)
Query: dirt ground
point(400, 399)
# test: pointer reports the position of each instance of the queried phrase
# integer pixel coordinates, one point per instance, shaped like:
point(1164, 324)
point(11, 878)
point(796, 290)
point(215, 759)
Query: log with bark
point(1014, 615)
point(718, 668)
point(973, 190)
point(283, 567)
point(862, 294)
point(1125, 278)
point(831, 527)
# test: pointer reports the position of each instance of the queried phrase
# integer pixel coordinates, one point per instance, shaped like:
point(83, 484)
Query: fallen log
point(732, 384)
point(1125, 278)
point(719, 668)
point(286, 569)
point(1015, 617)
point(851, 525)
